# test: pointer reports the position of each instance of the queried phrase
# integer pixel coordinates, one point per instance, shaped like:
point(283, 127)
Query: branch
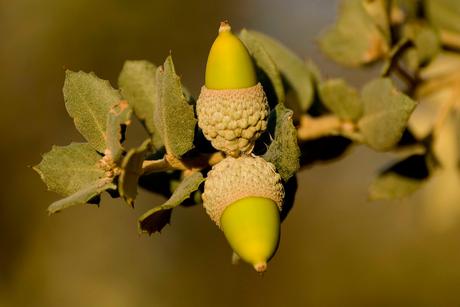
point(154, 166)
point(395, 55)
point(446, 109)
point(449, 82)
point(450, 39)
point(312, 128)
point(438, 84)
point(169, 163)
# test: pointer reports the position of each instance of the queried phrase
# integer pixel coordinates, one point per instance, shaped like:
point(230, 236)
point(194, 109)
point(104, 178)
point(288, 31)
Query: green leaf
point(444, 14)
point(119, 117)
point(137, 85)
point(131, 169)
point(377, 10)
point(88, 100)
point(405, 9)
point(386, 112)
point(155, 219)
point(264, 62)
point(174, 117)
point(284, 151)
point(68, 169)
point(341, 99)
point(294, 71)
point(397, 52)
point(356, 38)
point(315, 72)
point(400, 179)
point(426, 41)
point(88, 194)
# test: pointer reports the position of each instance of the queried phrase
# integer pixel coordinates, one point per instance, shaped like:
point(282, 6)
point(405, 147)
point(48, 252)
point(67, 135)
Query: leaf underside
point(89, 194)
point(341, 99)
point(359, 35)
point(118, 117)
point(294, 71)
point(131, 170)
point(67, 169)
point(385, 116)
point(155, 219)
point(174, 116)
point(88, 100)
point(284, 150)
point(400, 179)
point(265, 62)
point(137, 84)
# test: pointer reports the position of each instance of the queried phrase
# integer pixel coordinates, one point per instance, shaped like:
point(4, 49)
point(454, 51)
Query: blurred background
point(337, 249)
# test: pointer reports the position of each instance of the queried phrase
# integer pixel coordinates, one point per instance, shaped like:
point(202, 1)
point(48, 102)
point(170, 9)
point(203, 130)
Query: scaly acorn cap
point(233, 179)
point(232, 120)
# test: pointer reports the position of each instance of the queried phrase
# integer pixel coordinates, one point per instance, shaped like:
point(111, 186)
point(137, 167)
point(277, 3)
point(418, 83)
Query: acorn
point(232, 107)
point(244, 196)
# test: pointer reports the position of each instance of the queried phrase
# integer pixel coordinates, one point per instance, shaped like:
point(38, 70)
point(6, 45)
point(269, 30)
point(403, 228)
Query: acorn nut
point(243, 196)
point(232, 107)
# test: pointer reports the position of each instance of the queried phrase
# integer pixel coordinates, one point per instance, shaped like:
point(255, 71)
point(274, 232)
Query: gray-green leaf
point(174, 117)
point(119, 115)
point(68, 169)
point(426, 41)
point(386, 112)
point(88, 100)
point(400, 179)
point(378, 11)
point(284, 150)
point(356, 38)
point(88, 194)
point(264, 62)
point(155, 219)
point(444, 14)
point(131, 169)
point(341, 99)
point(137, 85)
point(295, 71)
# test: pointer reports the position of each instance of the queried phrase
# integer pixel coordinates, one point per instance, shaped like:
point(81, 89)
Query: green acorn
point(232, 107)
point(243, 196)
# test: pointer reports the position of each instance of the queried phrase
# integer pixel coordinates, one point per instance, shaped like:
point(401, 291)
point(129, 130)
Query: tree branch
point(450, 39)
point(312, 128)
point(446, 109)
point(169, 163)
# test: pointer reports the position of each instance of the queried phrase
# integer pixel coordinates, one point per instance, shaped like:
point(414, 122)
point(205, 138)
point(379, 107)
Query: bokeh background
point(337, 248)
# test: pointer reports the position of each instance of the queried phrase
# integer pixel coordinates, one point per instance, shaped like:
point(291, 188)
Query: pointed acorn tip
point(224, 26)
point(260, 267)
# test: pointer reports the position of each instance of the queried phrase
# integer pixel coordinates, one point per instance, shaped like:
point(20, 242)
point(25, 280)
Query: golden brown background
point(337, 248)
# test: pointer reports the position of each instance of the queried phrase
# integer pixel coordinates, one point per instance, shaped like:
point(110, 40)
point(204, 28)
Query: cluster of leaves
point(172, 161)
point(312, 118)
point(411, 39)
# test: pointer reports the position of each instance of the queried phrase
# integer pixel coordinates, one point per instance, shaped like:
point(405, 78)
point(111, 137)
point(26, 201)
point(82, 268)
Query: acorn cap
point(233, 119)
point(235, 178)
